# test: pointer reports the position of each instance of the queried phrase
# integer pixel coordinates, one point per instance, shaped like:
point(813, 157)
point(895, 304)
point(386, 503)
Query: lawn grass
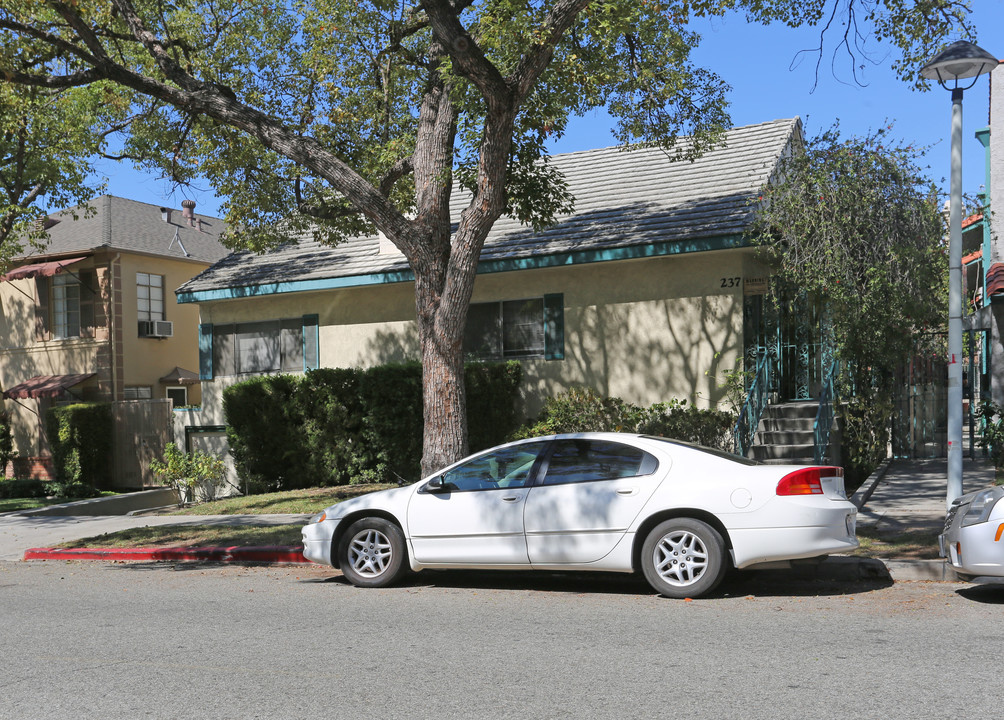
point(906, 545)
point(15, 504)
point(194, 536)
point(18, 504)
point(309, 500)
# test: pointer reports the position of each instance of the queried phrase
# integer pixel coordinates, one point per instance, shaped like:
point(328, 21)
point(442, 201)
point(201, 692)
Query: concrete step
point(796, 409)
point(789, 437)
point(783, 452)
point(787, 425)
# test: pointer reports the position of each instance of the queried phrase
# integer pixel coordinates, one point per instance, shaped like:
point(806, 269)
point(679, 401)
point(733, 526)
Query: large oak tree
point(345, 116)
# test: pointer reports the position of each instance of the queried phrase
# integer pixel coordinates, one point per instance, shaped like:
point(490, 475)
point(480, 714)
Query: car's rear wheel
point(684, 558)
point(372, 553)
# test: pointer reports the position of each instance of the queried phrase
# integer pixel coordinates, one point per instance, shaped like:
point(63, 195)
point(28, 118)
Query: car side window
point(575, 461)
point(506, 468)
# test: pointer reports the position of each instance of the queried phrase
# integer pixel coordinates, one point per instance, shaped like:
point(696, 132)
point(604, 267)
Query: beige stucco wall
point(146, 360)
point(116, 353)
point(644, 330)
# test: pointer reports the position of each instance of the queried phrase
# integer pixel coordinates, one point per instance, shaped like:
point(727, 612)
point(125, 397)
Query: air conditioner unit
point(156, 328)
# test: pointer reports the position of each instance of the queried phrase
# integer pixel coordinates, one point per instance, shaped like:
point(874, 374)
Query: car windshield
point(710, 451)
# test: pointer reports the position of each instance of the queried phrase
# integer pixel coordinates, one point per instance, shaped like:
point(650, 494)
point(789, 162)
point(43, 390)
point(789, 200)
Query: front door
point(477, 516)
point(791, 329)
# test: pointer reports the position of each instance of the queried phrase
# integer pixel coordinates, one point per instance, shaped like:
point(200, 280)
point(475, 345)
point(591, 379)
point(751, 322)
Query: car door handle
point(511, 498)
point(627, 492)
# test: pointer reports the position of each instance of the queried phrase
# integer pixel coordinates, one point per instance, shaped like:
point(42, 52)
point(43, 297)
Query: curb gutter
point(833, 568)
point(273, 555)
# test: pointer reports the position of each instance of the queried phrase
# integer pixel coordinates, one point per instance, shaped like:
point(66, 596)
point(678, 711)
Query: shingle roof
point(624, 199)
point(131, 226)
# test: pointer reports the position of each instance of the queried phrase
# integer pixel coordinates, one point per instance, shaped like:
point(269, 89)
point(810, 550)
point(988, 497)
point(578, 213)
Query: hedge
point(80, 436)
point(580, 409)
point(341, 426)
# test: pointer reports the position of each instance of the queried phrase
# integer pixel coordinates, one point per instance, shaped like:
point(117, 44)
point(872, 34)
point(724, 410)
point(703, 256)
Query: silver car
point(973, 540)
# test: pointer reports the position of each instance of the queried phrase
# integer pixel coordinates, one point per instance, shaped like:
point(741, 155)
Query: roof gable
point(628, 203)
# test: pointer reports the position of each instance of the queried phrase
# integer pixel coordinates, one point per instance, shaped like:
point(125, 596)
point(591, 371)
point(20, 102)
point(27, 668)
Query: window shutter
point(311, 350)
point(42, 309)
point(554, 326)
point(206, 351)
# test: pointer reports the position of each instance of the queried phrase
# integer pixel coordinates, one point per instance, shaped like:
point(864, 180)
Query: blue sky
point(769, 80)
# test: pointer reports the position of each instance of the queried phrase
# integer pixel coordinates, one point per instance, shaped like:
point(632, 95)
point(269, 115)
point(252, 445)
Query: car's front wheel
point(372, 553)
point(684, 558)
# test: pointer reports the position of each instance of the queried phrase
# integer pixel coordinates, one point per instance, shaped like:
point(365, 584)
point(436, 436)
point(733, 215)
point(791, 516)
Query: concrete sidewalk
point(19, 533)
point(910, 495)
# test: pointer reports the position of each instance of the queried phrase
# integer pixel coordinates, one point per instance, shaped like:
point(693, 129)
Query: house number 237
point(731, 282)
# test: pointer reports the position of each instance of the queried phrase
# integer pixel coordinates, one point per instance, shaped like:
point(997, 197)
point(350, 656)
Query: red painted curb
point(274, 555)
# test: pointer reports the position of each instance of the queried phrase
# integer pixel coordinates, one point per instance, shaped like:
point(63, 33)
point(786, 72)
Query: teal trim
point(485, 267)
point(206, 351)
point(311, 343)
point(983, 135)
point(554, 326)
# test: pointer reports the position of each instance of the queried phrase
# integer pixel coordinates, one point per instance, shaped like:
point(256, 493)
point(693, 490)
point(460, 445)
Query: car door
point(590, 493)
point(472, 514)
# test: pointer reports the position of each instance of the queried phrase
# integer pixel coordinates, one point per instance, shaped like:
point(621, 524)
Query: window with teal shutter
point(206, 351)
point(554, 326)
point(311, 350)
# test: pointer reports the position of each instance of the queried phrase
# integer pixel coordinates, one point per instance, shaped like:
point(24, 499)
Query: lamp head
point(959, 61)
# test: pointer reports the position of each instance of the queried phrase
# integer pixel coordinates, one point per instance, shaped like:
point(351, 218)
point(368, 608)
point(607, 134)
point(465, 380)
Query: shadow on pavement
point(773, 583)
point(988, 594)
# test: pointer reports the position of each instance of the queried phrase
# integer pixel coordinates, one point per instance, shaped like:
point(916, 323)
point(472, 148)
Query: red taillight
point(806, 481)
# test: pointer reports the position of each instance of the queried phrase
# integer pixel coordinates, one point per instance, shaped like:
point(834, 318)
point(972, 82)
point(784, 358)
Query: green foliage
point(7, 451)
point(350, 76)
point(856, 223)
point(36, 488)
point(23, 488)
point(348, 426)
point(992, 438)
point(195, 476)
point(264, 434)
point(80, 436)
point(580, 409)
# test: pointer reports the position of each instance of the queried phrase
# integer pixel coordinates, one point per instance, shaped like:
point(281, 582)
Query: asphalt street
point(93, 640)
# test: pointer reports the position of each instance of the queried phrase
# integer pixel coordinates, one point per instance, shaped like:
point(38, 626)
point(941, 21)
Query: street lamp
point(959, 61)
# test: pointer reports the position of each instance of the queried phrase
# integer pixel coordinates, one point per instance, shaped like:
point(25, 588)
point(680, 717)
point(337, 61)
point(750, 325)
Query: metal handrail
point(824, 415)
point(756, 401)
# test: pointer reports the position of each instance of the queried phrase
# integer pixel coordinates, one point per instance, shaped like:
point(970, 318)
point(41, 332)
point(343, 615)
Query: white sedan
point(680, 514)
point(973, 540)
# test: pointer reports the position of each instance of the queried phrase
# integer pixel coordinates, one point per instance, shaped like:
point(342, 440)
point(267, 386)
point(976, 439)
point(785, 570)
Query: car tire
point(684, 558)
point(372, 553)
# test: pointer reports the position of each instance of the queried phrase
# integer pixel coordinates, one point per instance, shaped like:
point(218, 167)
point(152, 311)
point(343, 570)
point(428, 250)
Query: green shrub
point(392, 396)
point(492, 389)
point(264, 433)
point(80, 436)
point(6, 442)
point(195, 476)
point(581, 410)
point(70, 490)
point(334, 428)
point(679, 420)
point(343, 426)
point(23, 488)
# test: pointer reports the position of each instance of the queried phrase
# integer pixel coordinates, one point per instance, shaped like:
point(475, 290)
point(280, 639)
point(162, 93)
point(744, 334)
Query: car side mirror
point(435, 486)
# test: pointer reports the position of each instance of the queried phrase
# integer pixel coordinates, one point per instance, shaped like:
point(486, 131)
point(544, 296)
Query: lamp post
point(959, 61)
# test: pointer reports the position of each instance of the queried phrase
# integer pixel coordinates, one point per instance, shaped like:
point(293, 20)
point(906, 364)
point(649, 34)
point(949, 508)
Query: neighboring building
point(94, 317)
point(648, 291)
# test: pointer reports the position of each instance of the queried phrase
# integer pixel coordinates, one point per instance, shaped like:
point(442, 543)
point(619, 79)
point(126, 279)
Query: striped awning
point(44, 269)
point(44, 386)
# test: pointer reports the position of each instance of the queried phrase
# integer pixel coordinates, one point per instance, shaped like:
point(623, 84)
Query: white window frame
point(149, 297)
